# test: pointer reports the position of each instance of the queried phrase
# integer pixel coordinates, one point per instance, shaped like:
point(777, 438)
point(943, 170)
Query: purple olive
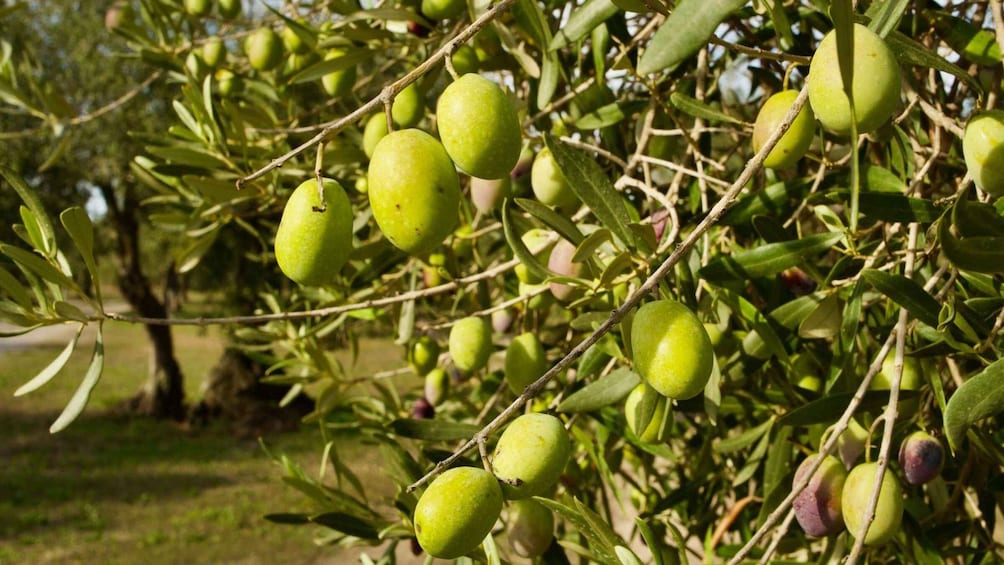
point(921, 457)
point(561, 262)
point(817, 508)
point(422, 409)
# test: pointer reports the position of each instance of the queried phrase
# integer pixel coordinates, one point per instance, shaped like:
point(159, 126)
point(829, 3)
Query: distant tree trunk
point(163, 394)
point(234, 392)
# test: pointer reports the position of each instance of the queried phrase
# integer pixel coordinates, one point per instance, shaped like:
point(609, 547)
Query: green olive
point(671, 349)
point(530, 455)
point(875, 84)
point(340, 83)
point(525, 361)
point(795, 142)
point(658, 427)
point(457, 511)
point(470, 343)
point(889, 511)
point(408, 107)
point(263, 48)
point(549, 184)
point(479, 127)
point(983, 148)
point(530, 528)
point(214, 52)
point(311, 246)
point(414, 190)
point(375, 130)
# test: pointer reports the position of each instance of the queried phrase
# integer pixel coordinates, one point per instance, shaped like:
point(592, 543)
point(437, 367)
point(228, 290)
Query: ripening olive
point(479, 127)
point(311, 246)
point(889, 511)
point(671, 349)
point(488, 194)
point(414, 190)
point(818, 506)
point(457, 511)
point(293, 42)
point(875, 83)
point(922, 457)
point(530, 528)
point(560, 262)
point(530, 455)
point(437, 386)
point(470, 344)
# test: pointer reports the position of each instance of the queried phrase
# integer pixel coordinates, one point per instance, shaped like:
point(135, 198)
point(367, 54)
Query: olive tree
point(727, 235)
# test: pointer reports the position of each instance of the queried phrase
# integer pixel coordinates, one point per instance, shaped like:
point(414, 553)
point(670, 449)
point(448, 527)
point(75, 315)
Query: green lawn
point(114, 489)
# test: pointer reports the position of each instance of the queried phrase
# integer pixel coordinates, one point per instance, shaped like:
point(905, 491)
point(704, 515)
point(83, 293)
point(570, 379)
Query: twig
point(650, 284)
point(387, 94)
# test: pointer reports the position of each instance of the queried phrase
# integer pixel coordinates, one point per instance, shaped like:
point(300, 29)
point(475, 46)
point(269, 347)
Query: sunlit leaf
point(684, 32)
point(979, 397)
point(79, 400)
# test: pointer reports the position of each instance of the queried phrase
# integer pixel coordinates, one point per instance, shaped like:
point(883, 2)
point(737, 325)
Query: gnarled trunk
point(163, 394)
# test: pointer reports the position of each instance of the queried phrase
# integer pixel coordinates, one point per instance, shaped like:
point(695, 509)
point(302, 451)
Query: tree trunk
point(163, 395)
point(234, 392)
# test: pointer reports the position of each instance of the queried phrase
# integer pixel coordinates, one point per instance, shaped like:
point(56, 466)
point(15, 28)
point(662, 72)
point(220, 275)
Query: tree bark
point(163, 394)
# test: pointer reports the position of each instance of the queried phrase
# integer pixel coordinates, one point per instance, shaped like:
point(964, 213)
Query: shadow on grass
point(105, 458)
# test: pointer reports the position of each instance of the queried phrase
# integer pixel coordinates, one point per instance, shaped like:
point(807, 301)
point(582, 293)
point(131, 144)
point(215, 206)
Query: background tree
point(841, 304)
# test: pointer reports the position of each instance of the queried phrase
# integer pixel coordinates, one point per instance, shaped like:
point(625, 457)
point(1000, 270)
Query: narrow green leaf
point(186, 156)
point(881, 179)
point(581, 22)
point(347, 524)
point(744, 439)
point(653, 542)
point(824, 321)
point(769, 201)
point(37, 265)
point(908, 293)
point(827, 409)
point(976, 219)
point(34, 204)
point(78, 224)
point(767, 259)
point(684, 32)
point(433, 430)
point(601, 546)
point(519, 249)
point(698, 109)
point(565, 227)
point(550, 75)
point(288, 518)
point(625, 556)
point(34, 233)
point(190, 256)
point(69, 311)
point(79, 400)
point(842, 14)
point(979, 397)
point(590, 183)
point(890, 207)
point(602, 392)
point(885, 16)
point(15, 289)
point(52, 369)
point(601, 117)
point(762, 341)
point(979, 254)
point(587, 249)
point(491, 550)
point(909, 51)
point(327, 66)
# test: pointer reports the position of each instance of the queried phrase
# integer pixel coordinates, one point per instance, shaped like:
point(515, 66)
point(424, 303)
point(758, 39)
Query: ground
point(115, 489)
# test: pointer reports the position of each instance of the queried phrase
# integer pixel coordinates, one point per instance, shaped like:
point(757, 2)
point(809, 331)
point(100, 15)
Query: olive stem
point(318, 166)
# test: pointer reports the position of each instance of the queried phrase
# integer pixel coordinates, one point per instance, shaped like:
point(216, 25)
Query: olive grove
point(714, 302)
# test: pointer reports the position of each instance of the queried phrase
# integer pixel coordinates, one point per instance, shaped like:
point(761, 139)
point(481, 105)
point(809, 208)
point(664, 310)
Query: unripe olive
point(470, 343)
point(437, 386)
point(488, 194)
point(263, 48)
point(408, 107)
point(911, 379)
point(851, 443)
point(442, 9)
point(525, 361)
point(293, 42)
point(340, 83)
point(983, 148)
point(560, 262)
point(479, 127)
point(657, 429)
point(671, 349)
point(530, 455)
point(376, 129)
point(922, 457)
point(540, 300)
point(423, 354)
point(889, 511)
point(465, 60)
point(530, 528)
point(195, 65)
point(414, 190)
point(549, 184)
point(198, 8)
point(214, 52)
point(311, 246)
point(818, 506)
point(795, 142)
point(457, 511)
point(229, 9)
point(875, 84)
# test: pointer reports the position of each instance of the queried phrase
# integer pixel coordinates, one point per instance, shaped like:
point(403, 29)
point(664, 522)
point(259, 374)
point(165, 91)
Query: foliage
point(865, 247)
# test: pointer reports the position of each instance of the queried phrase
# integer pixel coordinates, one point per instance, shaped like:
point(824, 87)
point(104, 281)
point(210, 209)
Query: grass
point(115, 489)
